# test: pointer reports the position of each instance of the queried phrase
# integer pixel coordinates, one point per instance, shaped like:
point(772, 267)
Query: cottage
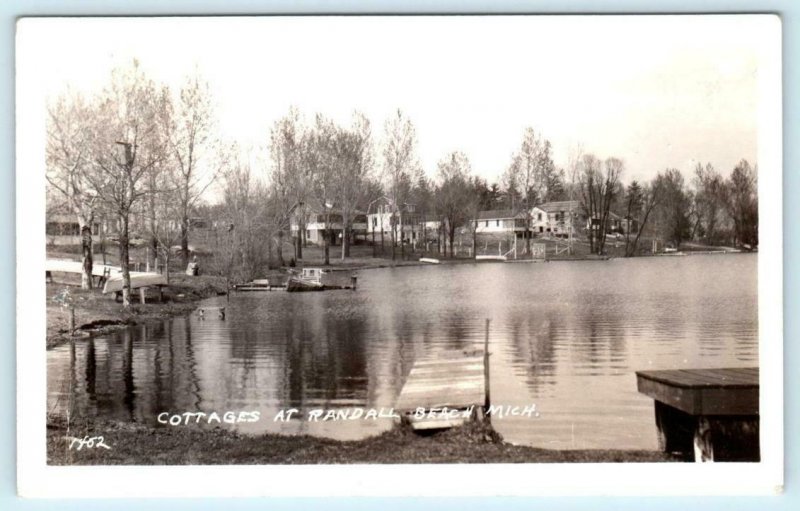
point(317, 223)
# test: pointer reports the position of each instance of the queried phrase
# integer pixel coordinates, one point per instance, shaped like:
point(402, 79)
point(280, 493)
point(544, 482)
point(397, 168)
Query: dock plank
point(721, 391)
point(443, 378)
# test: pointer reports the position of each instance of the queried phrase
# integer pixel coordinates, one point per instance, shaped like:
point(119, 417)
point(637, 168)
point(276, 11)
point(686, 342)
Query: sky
point(656, 92)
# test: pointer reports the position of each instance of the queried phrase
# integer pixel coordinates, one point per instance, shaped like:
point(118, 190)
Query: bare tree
point(288, 179)
point(742, 203)
point(454, 193)
point(354, 171)
point(641, 202)
point(399, 162)
point(598, 188)
point(126, 142)
point(189, 129)
point(68, 164)
point(531, 167)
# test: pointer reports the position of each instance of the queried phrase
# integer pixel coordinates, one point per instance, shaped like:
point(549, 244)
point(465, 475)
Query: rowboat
point(429, 260)
point(310, 279)
point(138, 279)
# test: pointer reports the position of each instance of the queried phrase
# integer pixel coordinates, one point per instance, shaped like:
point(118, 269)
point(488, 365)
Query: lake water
point(565, 336)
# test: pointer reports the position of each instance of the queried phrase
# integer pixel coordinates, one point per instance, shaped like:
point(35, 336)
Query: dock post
point(487, 398)
point(71, 320)
point(142, 294)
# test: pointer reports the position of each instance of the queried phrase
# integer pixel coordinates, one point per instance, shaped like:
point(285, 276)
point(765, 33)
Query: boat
point(309, 279)
point(429, 260)
point(258, 285)
point(138, 279)
point(501, 258)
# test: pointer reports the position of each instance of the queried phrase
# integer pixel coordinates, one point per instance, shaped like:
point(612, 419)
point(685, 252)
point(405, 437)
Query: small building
point(317, 223)
point(407, 223)
point(499, 221)
point(558, 218)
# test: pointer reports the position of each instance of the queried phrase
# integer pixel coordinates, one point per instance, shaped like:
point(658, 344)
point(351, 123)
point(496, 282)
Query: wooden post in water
point(142, 294)
point(488, 398)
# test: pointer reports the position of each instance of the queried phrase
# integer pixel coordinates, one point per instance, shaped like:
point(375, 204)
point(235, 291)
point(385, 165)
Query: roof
point(563, 205)
point(492, 214)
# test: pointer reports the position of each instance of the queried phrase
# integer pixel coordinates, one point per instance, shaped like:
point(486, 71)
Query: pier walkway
point(444, 389)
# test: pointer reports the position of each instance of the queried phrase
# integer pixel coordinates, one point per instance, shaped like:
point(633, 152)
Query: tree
point(710, 200)
point(641, 202)
point(742, 203)
point(354, 170)
point(188, 134)
point(127, 140)
point(399, 162)
point(598, 188)
point(68, 163)
point(454, 193)
point(528, 177)
point(288, 180)
point(673, 210)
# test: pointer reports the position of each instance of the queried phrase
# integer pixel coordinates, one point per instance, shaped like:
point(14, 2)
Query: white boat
point(429, 260)
point(66, 266)
point(490, 258)
point(138, 279)
point(309, 279)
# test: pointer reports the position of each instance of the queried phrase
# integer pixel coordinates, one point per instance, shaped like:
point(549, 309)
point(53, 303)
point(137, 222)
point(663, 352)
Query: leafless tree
point(68, 159)
point(528, 175)
point(454, 193)
point(599, 187)
point(126, 142)
point(354, 171)
point(399, 162)
point(190, 123)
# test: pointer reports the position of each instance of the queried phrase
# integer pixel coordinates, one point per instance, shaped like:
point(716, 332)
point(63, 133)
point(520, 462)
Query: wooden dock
point(710, 414)
point(445, 389)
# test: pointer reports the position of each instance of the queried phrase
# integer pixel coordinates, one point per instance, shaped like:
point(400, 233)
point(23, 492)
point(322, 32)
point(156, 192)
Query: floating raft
point(707, 414)
point(454, 379)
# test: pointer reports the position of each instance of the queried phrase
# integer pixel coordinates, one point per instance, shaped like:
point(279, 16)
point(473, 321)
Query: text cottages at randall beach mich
point(345, 241)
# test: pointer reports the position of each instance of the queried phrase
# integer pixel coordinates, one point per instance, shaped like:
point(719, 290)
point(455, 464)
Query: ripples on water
point(566, 336)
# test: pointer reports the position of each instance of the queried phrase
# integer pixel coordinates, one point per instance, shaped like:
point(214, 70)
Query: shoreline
point(98, 314)
point(139, 444)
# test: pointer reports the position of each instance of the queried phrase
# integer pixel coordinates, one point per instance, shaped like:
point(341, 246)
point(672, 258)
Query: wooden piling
point(142, 295)
point(488, 398)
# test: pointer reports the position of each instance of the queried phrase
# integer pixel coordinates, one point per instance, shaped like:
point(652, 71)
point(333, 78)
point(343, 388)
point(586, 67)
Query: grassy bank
point(136, 444)
point(96, 313)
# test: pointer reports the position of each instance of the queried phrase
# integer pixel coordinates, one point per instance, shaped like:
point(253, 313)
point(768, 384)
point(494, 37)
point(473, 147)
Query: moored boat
point(310, 279)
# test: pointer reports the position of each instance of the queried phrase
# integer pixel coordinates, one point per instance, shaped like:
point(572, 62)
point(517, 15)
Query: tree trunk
point(185, 240)
point(346, 233)
point(124, 261)
point(279, 248)
point(382, 242)
point(394, 237)
point(528, 236)
point(88, 259)
point(327, 242)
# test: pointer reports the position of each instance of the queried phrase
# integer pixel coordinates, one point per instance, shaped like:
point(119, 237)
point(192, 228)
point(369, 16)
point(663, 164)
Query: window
point(498, 223)
point(487, 223)
point(539, 217)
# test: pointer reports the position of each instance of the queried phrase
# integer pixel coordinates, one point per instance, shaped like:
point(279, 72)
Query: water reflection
point(565, 336)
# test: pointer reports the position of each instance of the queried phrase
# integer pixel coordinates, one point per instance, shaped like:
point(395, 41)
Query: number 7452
point(90, 442)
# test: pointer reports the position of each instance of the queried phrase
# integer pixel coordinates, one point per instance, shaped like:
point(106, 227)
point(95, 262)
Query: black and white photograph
point(434, 241)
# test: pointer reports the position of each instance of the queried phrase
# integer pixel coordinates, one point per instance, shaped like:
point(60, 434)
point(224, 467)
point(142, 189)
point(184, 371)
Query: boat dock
point(710, 414)
point(445, 389)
